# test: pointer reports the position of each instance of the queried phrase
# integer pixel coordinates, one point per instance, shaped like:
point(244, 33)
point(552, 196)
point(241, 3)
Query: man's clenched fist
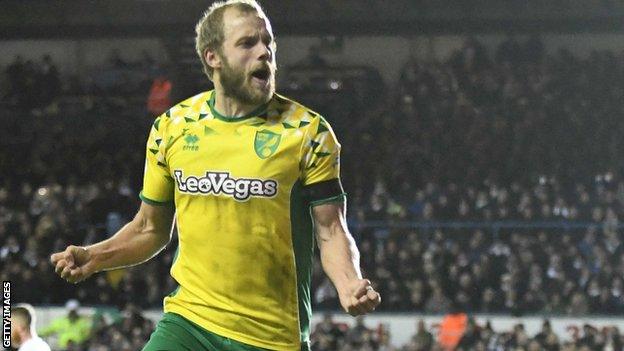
point(74, 264)
point(359, 297)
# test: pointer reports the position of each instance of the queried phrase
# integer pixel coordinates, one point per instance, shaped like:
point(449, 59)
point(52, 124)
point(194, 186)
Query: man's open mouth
point(262, 74)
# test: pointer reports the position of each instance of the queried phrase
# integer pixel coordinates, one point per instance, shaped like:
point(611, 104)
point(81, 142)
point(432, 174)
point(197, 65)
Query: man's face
point(247, 54)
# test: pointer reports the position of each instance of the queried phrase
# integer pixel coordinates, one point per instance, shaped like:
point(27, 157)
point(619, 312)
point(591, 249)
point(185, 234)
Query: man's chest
point(243, 151)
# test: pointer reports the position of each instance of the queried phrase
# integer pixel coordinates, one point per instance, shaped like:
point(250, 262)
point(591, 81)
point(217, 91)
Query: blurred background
point(482, 157)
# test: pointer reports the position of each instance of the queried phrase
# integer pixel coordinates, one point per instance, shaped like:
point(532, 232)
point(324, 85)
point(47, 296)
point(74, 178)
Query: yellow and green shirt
point(242, 189)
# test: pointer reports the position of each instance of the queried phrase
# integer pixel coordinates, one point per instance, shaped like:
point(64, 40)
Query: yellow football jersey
point(242, 189)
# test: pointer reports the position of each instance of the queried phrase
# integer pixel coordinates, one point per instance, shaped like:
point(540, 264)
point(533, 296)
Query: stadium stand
point(464, 186)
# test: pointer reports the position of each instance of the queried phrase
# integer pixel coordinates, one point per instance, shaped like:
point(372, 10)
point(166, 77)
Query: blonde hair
point(209, 29)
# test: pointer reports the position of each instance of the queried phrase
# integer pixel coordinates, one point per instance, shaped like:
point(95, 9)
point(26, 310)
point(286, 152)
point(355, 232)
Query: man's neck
point(230, 107)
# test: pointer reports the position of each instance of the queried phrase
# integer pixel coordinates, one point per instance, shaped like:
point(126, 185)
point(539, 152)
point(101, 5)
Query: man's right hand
point(74, 264)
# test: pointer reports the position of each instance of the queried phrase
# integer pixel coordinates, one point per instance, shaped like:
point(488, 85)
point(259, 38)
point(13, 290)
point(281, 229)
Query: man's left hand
point(359, 297)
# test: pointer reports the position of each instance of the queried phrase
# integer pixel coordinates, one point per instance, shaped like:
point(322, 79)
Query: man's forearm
point(135, 243)
point(340, 258)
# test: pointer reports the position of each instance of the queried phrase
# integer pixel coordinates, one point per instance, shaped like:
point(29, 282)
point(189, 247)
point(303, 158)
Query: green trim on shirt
point(153, 202)
point(224, 118)
point(337, 198)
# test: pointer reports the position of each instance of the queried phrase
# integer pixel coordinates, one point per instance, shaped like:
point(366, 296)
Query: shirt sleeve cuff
point(338, 198)
point(154, 202)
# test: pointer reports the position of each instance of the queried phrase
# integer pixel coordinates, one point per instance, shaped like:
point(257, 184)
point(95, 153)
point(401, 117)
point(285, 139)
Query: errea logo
point(221, 183)
point(190, 141)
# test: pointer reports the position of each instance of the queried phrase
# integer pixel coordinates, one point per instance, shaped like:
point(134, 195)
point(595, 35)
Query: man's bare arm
point(139, 240)
point(341, 259)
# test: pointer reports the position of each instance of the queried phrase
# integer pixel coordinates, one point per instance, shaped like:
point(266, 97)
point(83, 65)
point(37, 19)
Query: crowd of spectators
point(522, 148)
point(507, 118)
point(128, 329)
point(331, 336)
point(105, 329)
point(31, 83)
point(328, 335)
point(128, 332)
point(519, 271)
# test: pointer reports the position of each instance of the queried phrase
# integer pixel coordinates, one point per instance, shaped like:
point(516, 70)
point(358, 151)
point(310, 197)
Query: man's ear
point(213, 59)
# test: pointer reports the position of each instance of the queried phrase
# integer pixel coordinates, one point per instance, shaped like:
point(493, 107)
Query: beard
point(237, 84)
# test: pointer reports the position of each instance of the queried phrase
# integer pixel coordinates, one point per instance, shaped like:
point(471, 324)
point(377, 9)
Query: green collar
point(251, 114)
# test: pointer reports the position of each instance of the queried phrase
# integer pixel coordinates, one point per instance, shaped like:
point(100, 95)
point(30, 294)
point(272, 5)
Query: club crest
point(266, 143)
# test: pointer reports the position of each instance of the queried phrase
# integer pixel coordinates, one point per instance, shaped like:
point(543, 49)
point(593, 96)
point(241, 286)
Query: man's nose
point(265, 52)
